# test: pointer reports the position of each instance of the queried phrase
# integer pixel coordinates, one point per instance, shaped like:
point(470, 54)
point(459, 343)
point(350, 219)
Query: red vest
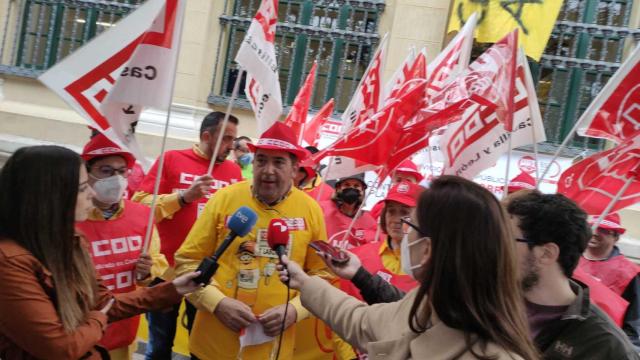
point(369, 255)
point(362, 232)
point(180, 169)
point(616, 273)
point(611, 303)
point(115, 246)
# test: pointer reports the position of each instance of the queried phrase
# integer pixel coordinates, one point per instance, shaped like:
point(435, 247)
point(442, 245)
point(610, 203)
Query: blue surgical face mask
point(245, 159)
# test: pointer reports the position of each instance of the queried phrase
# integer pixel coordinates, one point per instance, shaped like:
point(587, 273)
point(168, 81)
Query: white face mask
point(110, 190)
point(405, 255)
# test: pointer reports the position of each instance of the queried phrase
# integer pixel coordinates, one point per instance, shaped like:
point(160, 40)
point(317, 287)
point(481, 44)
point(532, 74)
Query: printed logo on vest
point(116, 246)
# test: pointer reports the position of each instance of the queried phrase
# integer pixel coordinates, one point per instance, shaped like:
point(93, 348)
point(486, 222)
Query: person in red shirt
point(184, 190)
point(603, 260)
point(341, 210)
point(115, 231)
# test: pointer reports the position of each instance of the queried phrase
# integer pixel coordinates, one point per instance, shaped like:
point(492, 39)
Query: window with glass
point(585, 49)
point(47, 30)
point(341, 36)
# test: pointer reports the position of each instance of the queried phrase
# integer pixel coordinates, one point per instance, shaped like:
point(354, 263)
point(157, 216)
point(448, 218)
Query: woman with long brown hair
point(469, 303)
point(52, 306)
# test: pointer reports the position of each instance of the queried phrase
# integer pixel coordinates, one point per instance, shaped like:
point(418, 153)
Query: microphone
point(278, 237)
point(240, 224)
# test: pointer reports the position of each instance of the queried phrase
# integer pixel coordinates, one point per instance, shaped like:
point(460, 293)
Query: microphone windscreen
point(242, 221)
point(277, 233)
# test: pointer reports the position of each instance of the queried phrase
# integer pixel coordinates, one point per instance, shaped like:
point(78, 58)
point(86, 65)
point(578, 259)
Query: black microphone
point(240, 224)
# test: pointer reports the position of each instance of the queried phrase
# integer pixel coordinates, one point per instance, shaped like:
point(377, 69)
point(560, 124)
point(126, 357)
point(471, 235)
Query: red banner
point(594, 182)
point(298, 115)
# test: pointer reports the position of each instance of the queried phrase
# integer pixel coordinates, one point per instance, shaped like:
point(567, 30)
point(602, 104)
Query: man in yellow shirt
point(245, 290)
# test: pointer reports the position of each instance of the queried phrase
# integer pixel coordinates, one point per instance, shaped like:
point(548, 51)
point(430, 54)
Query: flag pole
point(506, 175)
point(364, 201)
point(234, 95)
point(535, 150)
point(430, 159)
point(557, 153)
point(156, 184)
point(633, 174)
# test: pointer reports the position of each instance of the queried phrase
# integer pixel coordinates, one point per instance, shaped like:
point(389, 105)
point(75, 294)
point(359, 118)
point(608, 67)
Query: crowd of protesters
point(445, 271)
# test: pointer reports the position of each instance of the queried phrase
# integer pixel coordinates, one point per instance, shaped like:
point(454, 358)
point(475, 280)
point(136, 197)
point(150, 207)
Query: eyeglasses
point(106, 171)
point(603, 231)
point(526, 241)
point(407, 225)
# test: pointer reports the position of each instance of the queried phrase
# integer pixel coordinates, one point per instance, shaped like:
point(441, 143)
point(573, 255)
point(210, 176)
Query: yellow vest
point(247, 267)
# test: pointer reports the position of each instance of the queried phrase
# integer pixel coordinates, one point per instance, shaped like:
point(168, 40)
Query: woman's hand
point(344, 270)
point(292, 272)
point(184, 284)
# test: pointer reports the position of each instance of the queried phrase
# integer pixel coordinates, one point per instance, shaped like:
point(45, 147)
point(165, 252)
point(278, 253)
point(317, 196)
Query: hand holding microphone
point(240, 224)
point(291, 274)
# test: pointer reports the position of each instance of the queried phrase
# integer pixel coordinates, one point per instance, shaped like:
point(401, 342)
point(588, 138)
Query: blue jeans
point(162, 331)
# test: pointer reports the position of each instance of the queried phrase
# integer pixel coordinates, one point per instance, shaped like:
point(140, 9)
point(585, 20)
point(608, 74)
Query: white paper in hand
point(253, 335)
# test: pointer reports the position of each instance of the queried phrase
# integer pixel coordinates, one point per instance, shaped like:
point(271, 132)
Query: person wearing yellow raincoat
point(245, 290)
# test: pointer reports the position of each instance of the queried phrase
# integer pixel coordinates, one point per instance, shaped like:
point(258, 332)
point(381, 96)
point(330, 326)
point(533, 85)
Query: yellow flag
point(535, 18)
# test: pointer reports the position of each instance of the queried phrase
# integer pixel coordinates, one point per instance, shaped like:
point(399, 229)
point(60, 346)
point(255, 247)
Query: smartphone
point(336, 255)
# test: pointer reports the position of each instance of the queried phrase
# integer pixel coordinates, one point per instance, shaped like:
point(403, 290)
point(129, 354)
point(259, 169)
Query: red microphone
point(278, 236)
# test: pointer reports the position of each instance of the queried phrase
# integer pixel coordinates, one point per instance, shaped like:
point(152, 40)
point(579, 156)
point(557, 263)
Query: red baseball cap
point(611, 222)
point(408, 167)
point(523, 181)
point(406, 193)
point(279, 137)
point(101, 146)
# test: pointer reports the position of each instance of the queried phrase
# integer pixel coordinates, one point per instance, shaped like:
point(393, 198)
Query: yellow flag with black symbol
point(496, 18)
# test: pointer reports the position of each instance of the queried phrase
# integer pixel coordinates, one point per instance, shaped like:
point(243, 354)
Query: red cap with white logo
point(406, 193)
point(523, 181)
point(101, 146)
point(611, 222)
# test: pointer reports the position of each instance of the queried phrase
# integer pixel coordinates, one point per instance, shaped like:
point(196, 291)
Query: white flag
point(257, 56)
point(367, 99)
point(400, 76)
point(453, 60)
point(127, 67)
point(476, 142)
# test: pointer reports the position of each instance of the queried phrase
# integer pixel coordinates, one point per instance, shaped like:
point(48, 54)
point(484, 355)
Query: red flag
point(367, 99)
point(372, 140)
point(595, 181)
point(298, 115)
point(312, 128)
point(488, 82)
point(615, 113)
point(416, 70)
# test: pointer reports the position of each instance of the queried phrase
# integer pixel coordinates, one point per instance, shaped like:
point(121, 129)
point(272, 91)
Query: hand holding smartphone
point(336, 255)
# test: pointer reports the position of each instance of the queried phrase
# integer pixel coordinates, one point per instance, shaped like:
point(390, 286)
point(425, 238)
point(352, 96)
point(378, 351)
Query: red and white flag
point(298, 115)
point(130, 66)
point(594, 182)
point(372, 141)
point(257, 56)
point(400, 76)
point(477, 141)
point(615, 113)
point(312, 128)
point(367, 99)
point(453, 60)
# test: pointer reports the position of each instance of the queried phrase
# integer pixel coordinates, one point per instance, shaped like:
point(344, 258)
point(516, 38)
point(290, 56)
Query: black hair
point(312, 149)
point(236, 141)
point(553, 218)
point(211, 122)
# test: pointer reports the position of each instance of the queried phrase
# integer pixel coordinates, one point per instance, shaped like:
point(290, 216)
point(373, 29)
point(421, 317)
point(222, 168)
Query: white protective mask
point(110, 190)
point(405, 255)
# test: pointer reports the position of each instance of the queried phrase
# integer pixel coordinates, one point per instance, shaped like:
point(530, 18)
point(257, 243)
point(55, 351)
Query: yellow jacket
point(247, 267)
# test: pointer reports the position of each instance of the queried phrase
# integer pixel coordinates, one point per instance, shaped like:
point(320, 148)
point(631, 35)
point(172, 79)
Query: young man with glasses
point(603, 260)
point(115, 231)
